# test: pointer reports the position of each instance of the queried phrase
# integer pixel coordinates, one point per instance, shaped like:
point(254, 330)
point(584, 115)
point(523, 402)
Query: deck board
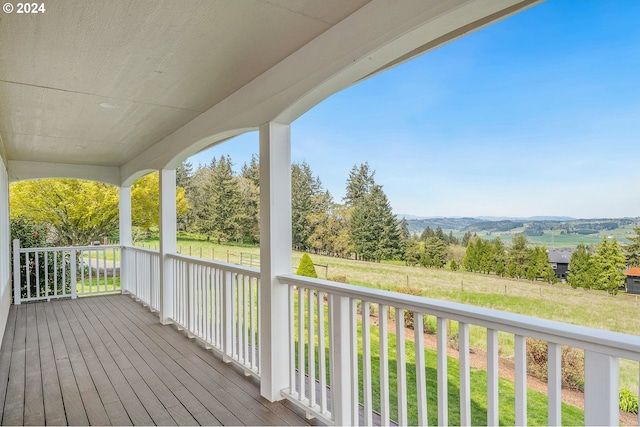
point(108, 361)
point(196, 360)
point(53, 404)
point(34, 406)
point(14, 401)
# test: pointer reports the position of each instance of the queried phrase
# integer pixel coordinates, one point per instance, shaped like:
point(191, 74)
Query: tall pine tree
point(359, 183)
point(224, 206)
point(305, 189)
point(581, 273)
point(374, 228)
point(609, 263)
point(518, 257)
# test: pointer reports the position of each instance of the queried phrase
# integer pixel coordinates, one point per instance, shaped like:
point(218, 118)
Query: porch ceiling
point(186, 74)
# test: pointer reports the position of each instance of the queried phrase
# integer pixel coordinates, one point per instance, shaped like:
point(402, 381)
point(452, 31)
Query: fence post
point(601, 398)
point(16, 271)
point(74, 274)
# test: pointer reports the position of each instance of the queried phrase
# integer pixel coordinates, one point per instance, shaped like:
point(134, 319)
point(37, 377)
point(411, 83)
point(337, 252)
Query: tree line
point(519, 261)
point(601, 267)
point(224, 206)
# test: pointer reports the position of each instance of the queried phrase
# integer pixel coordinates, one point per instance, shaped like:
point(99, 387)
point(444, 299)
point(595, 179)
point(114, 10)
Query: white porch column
point(167, 242)
point(275, 257)
point(125, 216)
point(124, 202)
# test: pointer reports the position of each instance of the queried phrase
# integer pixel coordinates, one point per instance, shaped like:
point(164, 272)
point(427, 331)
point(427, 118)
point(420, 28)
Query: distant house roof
point(633, 271)
point(562, 257)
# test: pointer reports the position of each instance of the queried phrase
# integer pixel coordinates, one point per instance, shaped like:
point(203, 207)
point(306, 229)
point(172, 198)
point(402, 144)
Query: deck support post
point(275, 257)
point(124, 203)
point(167, 242)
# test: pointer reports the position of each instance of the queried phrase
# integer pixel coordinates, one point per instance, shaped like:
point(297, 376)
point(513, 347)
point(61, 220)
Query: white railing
point(335, 342)
point(62, 272)
point(324, 316)
point(219, 304)
point(141, 275)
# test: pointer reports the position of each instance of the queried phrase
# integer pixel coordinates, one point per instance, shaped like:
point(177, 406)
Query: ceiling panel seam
point(99, 95)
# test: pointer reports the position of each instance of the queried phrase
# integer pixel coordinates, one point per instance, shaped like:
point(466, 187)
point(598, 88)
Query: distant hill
point(530, 218)
point(532, 226)
point(448, 224)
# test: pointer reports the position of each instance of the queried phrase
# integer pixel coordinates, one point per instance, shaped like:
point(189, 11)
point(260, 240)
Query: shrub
point(408, 314)
point(572, 363)
point(454, 341)
point(340, 279)
point(306, 267)
point(30, 233)
point(40, 271)
point(628, 401)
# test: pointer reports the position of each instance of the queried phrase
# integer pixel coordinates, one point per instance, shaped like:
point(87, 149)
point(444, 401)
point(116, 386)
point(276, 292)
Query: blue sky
point(538, 114)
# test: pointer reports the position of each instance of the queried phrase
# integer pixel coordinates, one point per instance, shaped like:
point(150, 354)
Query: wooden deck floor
point(108, 361)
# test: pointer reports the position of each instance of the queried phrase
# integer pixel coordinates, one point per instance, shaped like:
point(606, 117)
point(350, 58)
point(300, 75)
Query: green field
point(553, 238)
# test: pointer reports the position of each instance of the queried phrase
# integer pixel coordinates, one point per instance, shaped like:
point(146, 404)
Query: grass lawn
point(98, 285)
point(536, 401)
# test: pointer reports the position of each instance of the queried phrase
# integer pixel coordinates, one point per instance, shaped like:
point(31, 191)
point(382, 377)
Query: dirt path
point(506, 368)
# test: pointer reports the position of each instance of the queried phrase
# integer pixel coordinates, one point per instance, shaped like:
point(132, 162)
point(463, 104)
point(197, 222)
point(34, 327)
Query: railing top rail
point(69, 248)
point(141, 249)
point(606, 342)
point(254, 272)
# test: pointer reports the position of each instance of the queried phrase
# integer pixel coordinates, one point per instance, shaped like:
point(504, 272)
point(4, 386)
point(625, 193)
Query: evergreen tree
point(306, 267)
point(359, 183)
point(499, 258)
point(471, 260)
point(374, 229)
point(252, 170)
point(320, 222)
point(633, 249)
point(539, 266)
point(249, 216)
point(466, 238)
point(427, 233)
point(403, 236)
point(435, 253)
point(198, 198)
point(224, 206)
point(452, 240)
point(440, 235)
point(305, 189)
point(184, 173)
point(581, 274)
point(518, 257)
point(412, 252)
point(485, 254)
point(609, 262)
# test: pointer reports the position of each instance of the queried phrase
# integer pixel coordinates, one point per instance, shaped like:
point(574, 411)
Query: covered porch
point(138, 87)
